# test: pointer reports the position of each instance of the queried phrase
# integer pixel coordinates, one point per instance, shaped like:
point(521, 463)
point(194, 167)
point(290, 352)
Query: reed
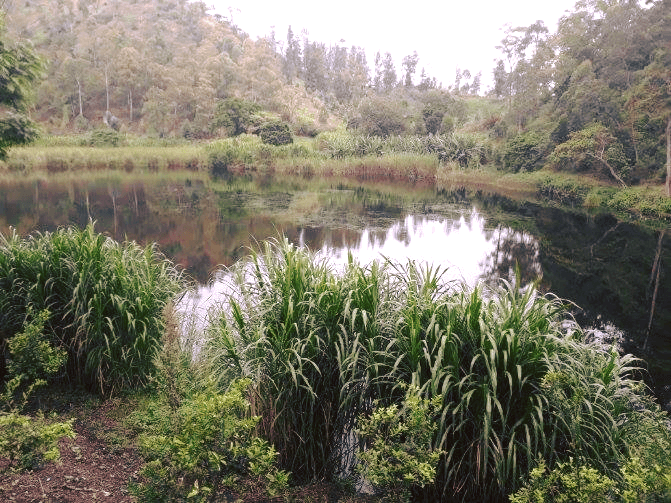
point(105, 298)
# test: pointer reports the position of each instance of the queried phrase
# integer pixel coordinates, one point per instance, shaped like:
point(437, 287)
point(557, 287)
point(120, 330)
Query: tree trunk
point(79, 90)
point(668, 156)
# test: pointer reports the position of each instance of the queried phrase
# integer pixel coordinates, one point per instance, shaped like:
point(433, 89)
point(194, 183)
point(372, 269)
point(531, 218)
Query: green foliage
point(378, 117)
point(514, 382)
point(209, 445)
point(570, 482)
point(32, 358)
point(235, 115)
point(103, 138)
point(105, 300)
point(275, 133)
point(20, 68)
point(28, 442)
point(399, 453)
point(563, 190)
point(524, 152)
point(591, 147)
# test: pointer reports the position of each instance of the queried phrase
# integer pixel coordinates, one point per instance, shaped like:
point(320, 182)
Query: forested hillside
point(594, 97)
point(161, 66)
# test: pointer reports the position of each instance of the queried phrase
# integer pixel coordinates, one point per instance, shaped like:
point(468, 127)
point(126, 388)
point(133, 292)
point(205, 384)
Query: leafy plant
point(209, 445)
point(398, 452)
point(32, 359)
point(29, 442)
point(275, 133)
point(524, 152)
point(105, 300)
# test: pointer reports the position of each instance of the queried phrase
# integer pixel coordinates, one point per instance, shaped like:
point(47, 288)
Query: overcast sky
point(446, 34)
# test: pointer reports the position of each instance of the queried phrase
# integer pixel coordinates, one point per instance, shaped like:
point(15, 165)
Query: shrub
point(524, 152)
point(32, 359)
point(275, 133)
point(103, 138)
point(570, 482)
point(27, 443)
point(210, 446)
point(399, 453)
point(378, 117)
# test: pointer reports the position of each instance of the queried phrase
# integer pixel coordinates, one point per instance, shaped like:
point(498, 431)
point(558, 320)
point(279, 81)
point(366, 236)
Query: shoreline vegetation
point(444, 162)
point(428, 390)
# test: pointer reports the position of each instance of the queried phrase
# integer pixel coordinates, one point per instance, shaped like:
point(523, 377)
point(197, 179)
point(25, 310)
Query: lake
point(614, 273)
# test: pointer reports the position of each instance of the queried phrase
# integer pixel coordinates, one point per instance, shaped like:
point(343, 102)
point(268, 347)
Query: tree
point(20, 68)
point(292, 57)
point(388, 73)
point(236, 115)
point(410, 66)
point(593, 143)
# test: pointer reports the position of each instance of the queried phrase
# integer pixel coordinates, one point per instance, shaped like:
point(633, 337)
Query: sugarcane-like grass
point(105, 298)
point(518, 383)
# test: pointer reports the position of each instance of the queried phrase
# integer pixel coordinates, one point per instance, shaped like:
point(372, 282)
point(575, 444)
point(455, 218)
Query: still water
point(614, 273)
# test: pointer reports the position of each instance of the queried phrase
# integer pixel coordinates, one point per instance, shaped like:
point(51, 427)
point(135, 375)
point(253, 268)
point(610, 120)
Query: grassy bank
point(445, 162)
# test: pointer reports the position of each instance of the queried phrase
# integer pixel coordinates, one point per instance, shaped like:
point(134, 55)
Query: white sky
point(446, 34)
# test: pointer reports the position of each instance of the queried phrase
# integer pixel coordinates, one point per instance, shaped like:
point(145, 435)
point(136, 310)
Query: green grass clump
point(105, 301)
point(514, 377)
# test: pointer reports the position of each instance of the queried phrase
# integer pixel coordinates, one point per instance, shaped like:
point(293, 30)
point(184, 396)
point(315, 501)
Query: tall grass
point(105, 298)
point(517, 382)
point(60, 159)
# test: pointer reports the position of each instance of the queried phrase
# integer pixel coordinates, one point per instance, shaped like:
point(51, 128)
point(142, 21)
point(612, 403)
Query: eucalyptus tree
point(409, 68)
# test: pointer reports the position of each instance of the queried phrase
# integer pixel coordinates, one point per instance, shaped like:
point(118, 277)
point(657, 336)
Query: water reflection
point(465, 247)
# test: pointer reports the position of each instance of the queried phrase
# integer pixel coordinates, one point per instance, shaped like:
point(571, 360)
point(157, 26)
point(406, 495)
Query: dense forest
point(593, 97)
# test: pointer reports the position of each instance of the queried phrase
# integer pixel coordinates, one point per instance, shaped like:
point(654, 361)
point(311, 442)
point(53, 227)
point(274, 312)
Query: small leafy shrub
point(219, 162)
point(399, 453)
point(567, 483)
point(32, 359)
point(570, 482)
point(275, 133)
point(27, 443)
point(563, 191)
point(210, 445)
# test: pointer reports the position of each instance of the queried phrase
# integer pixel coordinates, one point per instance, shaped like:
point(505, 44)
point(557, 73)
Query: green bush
point(570, 482)
point(524, 152)
point(398, 452)
point(27, 442)
point(275, 133)
point(103, 138)
point(33, 360)
point(210, 445)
